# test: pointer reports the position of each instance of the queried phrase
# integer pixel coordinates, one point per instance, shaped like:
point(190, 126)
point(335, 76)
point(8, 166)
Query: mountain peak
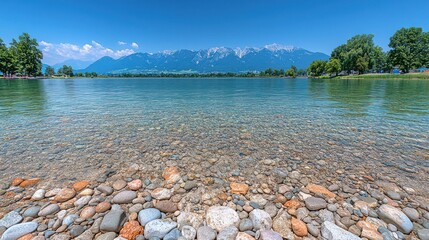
point(277, 47)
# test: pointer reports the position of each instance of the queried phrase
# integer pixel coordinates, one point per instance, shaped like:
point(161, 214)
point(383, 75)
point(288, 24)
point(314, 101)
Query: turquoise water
point(83, 126)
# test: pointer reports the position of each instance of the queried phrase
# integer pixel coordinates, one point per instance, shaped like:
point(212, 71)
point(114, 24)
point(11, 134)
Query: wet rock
point(124, 197)
point(158, 228)
point(331, 231)
point(19, 230)
point(113, 221)
point(228, 233)
point(396, 217)
point(149, 214)
point(206, 233)
point(131, 230)
point(222, 217)
point(260, 219)
point(313, 203)
point(10, 219)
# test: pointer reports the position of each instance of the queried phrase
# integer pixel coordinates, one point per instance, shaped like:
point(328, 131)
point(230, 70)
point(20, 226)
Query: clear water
point(63, 129)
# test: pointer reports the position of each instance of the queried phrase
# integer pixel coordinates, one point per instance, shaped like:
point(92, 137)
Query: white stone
point(221, 217)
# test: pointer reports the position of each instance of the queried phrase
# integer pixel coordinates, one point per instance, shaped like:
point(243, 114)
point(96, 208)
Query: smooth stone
point(331, 231)
point(124, 197)
point(16, 231)
point(220, 217)
point(173, 235)
point(245, 225)
point(260, 219)
point(166, 206)
point(206, 233)
point(31, 211)
point(188, 232)
point(136, 208)
point(158, 228)
point(423, 234)
point(82, 201)
point(190, 185)
point(313, 230)
point(282, 224)
point(396, 217)
point(68, 220)
point(411, 213)
point(76, 230)
point(393, 195)
point(113, 221)
point(65, 194)
point(87, 212)
point(119, 184)
point(49, 210)
point(10, 219)
point(105, 189)
point(269, 235)
point(102, 207)
point(147, 215)
point(313, 203)
point(39, 194)
point(161, 193)
point(228, 233)
point(244, 236)
point(107, 236)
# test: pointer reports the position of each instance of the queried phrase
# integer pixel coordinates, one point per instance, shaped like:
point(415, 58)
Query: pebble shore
point(276, 202)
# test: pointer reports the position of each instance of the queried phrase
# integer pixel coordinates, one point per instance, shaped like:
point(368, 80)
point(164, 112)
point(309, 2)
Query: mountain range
point(218, 59)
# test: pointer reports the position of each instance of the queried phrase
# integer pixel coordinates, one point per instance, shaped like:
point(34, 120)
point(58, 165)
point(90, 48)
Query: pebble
point(190, 185)
point(333, 232)
point(269, 235)
point(282, 225)
point(87, 212)
point(206, 233)
point(173, 235)
point(135, 184)
point(102, 207)
point(166, 206)
point(19, 230)
point(69, 219)
point(124, 197)
point(113, 221)
point(228, 233)
point(10, 219)
point(189, 232)
point(158, 228)
point(222, 217)
point(423, 234)
point(38, 195)
point(119, 184)
point(82, 201)
point(245, 225)
point(76, 230)
point(31, 212)
point(49, 210)
point(313, 203)
point(147, 215)
point(244, 236)
point(131, 230)
point(393, 195)
point(107, 236)
point(106, 189)
point(396, 217)
point(411, 213)
point(161, 193)
point(65, 194)
point(260, 219)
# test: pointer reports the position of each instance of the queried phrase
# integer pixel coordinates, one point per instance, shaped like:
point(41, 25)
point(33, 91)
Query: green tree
point(66, 70)
point(362, 64)
point(49, 71)
point(409, 48)
point(333, 66)
point(7, 65)
point(94, 74)
point(316, 68)
point(27, 56)
point(292, 72)
point(87, 74)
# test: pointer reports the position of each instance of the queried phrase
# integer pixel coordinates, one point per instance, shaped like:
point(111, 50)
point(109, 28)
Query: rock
point(76, 230)
point(149, 214)
point(86, 192)
point(87, 212)
point(10, 219)
point(393, 195)
point(102, 207)
point(282, 225)
point(320, 190)
point(69, 219)
point(299, 227)
point(131, 230)
point(423, 234)
point(29, 182)
point(16, 181)
point(239, 188)
point(206, 233)
point(31, 212)
point(313, 230)
point(396, 217)
point(19, 230)
point(190, 185)
point(411, 213)
point(85, 235)
point(158, 228)
point(188, 218)
point(77, 186)
point(244, 236)
point(292, 204)
point(161, 193)
point(82, 201)
point(260, 219)
point(326, 215)
point(52, 193)
point(173, 235)
point(107, 236)
point(39, 194)
point(245, 225)
point(49, 210)
point(119, 184)
point(189, 232)
point(166, 206)
point(270, 235)
point(259, 199)
point(228, 233)
point(171, 174)
point(106, 189)
point(369, 231)
point(222, 217)
point(331, 231)
point(65, 194)
point(113, 221)
point(135, 184)
point(314, 204)
point(124, 197)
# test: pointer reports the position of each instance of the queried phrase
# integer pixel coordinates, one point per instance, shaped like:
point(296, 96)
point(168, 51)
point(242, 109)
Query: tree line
point(409, 49)
point(22, 57)
point(67, 71)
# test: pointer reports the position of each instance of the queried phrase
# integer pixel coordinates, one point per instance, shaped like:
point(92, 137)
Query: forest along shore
point(277, 203)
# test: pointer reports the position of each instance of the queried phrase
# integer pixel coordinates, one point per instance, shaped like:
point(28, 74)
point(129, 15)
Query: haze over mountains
point(218, 59)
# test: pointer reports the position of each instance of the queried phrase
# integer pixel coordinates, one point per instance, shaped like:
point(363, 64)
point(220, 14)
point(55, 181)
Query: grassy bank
point(408, 76)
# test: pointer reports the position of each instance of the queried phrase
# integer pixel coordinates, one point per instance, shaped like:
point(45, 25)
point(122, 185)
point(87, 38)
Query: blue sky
point(90, 29)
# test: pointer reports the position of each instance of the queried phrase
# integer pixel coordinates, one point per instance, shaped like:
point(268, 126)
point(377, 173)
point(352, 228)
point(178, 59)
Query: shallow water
point(65, 129)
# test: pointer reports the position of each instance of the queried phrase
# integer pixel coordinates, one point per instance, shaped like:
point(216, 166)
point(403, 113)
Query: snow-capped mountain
point(216, 59)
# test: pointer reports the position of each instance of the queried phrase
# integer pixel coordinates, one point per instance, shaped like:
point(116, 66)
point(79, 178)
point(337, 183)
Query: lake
point(66, 129)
